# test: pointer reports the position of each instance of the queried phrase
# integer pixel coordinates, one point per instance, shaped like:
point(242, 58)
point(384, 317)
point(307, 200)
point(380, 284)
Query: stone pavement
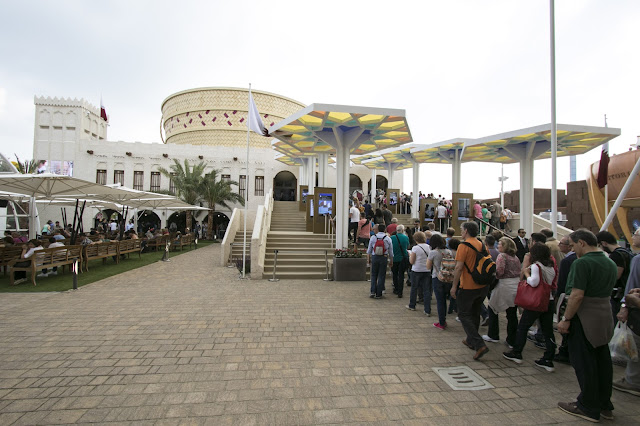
point(186, 342)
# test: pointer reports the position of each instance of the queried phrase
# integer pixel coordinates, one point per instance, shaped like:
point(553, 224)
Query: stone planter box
point(349, 269)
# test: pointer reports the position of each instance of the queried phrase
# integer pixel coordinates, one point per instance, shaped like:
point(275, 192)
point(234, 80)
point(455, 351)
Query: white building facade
point(200, 125)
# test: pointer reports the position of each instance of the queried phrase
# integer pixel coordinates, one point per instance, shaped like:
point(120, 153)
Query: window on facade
point(118, 177)
point(259, 186)
point(225, 177)
point(242, 187)
point(138, 181)
point(172, 185)
point(155, 181)
point(101, 177)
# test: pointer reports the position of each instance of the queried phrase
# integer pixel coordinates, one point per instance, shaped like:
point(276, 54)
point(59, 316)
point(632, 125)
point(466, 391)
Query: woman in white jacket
point(541, 272)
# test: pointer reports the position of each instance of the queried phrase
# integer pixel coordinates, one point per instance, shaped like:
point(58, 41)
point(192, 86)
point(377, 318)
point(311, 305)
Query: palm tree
point(217, 191)
point(187, 181)
point(26, 167)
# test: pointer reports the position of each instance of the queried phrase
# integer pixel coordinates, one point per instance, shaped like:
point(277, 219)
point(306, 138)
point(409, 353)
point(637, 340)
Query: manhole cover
point(462, 378)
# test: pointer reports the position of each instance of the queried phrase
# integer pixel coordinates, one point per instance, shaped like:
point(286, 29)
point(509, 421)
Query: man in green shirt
point(589, 323)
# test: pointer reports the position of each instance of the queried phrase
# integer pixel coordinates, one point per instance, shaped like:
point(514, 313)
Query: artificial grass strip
point(97, 272)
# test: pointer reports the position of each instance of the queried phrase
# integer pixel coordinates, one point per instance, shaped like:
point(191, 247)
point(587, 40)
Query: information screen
point(305, 192)
point(429, 212)
point(464, 208)
point(325, 204)
point(393, 198)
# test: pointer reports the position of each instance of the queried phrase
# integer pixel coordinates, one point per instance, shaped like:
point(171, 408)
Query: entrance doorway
point(355, 184)
point(147, 219)
point(381, 183)
point(284, 186)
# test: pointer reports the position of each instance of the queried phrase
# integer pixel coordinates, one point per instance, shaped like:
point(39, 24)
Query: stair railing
point(261, 229)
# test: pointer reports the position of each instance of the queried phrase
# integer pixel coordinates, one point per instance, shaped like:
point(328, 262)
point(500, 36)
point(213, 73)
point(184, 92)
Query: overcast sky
point(459, 68)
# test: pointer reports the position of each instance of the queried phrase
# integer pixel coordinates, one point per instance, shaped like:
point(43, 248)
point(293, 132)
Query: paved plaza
point(186, 342)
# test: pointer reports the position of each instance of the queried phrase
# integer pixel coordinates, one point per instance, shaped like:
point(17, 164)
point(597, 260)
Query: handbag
point(533, 298)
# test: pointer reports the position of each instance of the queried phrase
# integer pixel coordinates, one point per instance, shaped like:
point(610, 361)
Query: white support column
point(311, 173)
point(303, 171)
point(342, 190)
point(456, 172)
point(526, 195)
point(391, 167)
point(374, 189)
point(415, 201)
point(323, 163)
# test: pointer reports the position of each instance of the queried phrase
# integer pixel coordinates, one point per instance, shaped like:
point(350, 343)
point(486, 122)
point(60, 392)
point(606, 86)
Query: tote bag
point(533, 298)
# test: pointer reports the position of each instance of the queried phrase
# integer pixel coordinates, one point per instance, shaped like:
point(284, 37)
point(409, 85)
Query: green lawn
point(97, 271)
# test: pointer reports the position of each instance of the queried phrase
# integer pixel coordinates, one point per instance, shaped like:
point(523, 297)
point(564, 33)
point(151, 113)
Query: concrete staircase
point(238, 243)
point(298, 259)
point(286, 217)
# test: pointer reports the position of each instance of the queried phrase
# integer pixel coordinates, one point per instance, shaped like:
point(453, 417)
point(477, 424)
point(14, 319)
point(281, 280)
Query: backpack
point(378, 248)
point(447, 268)
point(484, 268)
point(628, 255)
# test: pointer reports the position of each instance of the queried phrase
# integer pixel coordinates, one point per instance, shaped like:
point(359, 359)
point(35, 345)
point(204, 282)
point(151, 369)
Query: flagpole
point(246, 200)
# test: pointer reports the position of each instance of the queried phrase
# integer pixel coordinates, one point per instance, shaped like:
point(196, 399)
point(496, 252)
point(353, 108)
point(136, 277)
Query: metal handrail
point(490, 226)
point(230, 259)
point(275, 261)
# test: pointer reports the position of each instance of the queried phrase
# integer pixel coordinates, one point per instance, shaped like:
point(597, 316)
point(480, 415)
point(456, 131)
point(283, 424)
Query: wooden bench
point(46, 258)
point(185, 240)
point(7, 254)
point(129, 246)
point(158, 243)
point(99, 251)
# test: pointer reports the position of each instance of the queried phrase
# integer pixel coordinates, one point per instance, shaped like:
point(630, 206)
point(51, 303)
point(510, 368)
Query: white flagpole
point(246, 197)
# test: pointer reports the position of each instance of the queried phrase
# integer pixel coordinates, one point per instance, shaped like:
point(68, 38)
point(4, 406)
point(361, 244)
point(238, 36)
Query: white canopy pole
point(415, 201)
point(374, 189)
point(554, 128)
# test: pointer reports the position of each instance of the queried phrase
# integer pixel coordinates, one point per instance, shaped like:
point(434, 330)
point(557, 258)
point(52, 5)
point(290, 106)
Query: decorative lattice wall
point(218, 116)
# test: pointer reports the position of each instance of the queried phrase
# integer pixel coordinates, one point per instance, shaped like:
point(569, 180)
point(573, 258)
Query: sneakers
point(540, 345)
point(572, 408)
point(399, 296)
point(508, 345)
point(378, 297)
point(623, 386)
point(458, 319)
point(410, 308)
point(20, 281)
point(439, 326)
point(512, 356)
point(545, 364)
point(486, 338)
point(428, 314)
point(41, 275)
point(53, 273)
point(606, 414)
point(372, 295)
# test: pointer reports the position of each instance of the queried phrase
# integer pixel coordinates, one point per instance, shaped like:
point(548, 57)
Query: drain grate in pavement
point(462, 378)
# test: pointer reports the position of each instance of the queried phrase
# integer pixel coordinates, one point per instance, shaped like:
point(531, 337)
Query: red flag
point(103, 112)
point(603, 169)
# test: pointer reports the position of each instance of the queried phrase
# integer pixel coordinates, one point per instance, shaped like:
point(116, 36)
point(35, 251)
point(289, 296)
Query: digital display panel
point(393, 198)
point(325, 204)
point(464, 208)
point(429, 212)
point(305, 192)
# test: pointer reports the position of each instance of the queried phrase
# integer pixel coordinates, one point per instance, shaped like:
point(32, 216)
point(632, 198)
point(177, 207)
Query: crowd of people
point(587, 280)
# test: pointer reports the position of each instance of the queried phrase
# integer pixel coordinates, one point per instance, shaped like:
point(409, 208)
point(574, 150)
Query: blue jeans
point(440, 289)
point(378, 273)
point(421, 279)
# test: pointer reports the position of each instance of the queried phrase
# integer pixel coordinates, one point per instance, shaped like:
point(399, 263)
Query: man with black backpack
point(473, 274)
point(622, 258)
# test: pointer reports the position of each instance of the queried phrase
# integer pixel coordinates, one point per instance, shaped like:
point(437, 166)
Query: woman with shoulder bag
point(541, 275)
point(440, 276)
point(503, 295)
